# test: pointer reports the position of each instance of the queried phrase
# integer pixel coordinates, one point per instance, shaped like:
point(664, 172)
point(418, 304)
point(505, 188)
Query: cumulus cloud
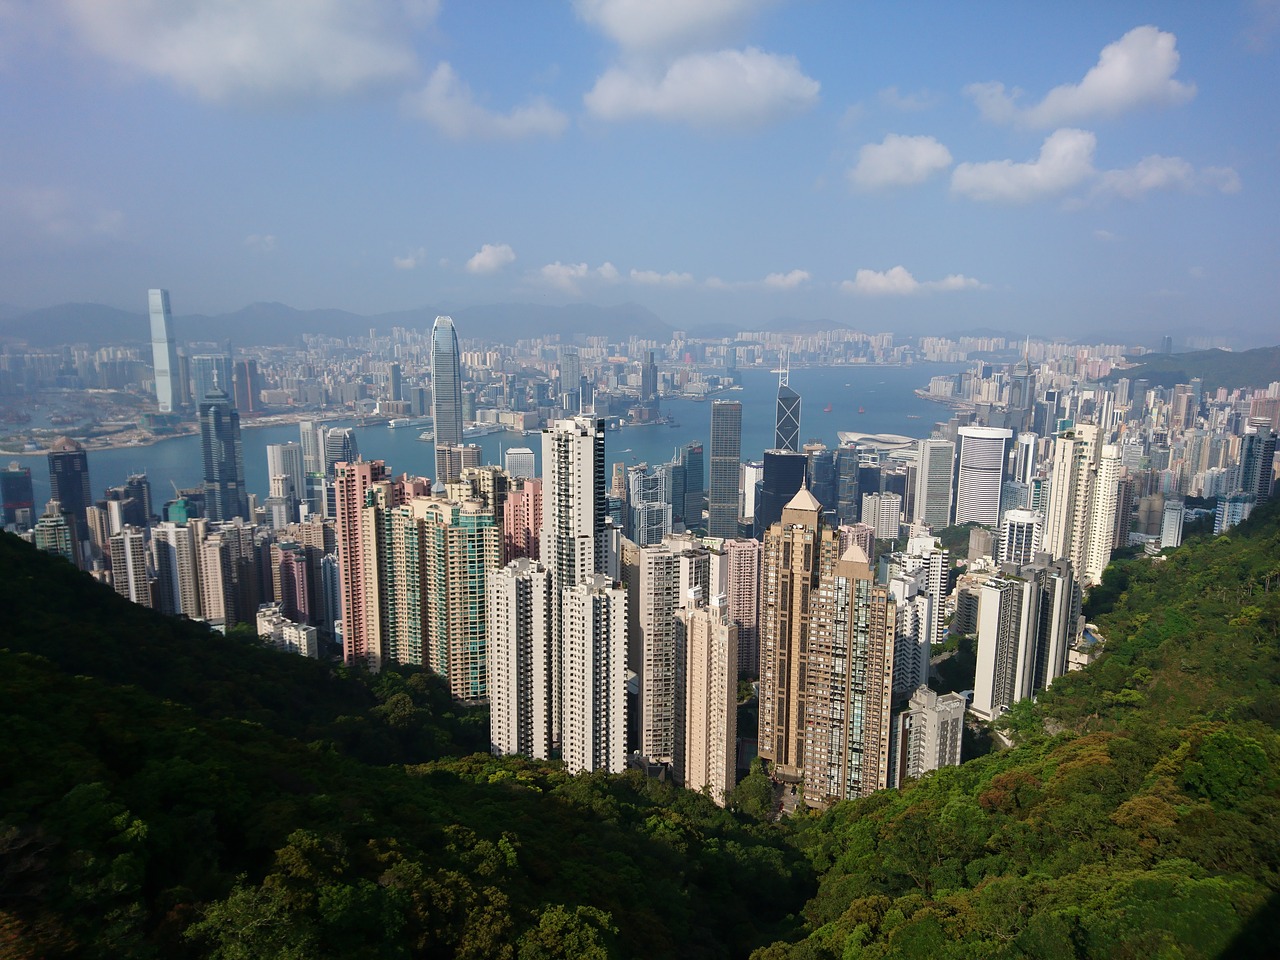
point(659, 24)
point(448, 104)
point(261, 242)
point(652, 278)
point(235, 49)
point(607, 272)
point(898, 281)
point(490, 258)
point(569, 276)
point(411, 260)
point(1165, 173)
point(732, 88)
point(1066, 159)
point(899, 161)
point(786, 281)
point(1135, 71)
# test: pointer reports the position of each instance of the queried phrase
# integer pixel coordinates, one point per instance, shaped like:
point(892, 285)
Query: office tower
point(1021, 536)
point(821, 471)
point(648, 505)
point(1024, 462)
point(312, 437)
point(1171, 524)
point(359, 561)
point(784, 474)
point(570, 379)
point(17, 497)
point(847, 495)
point(847, 685)
point(286, 459)
point(395, 389)
point(1027, 617)
point(521, 616)
point(164, 355)
point(247, 385)
point(55, 533)
point(795, 554)
point(786, 433)
point(648, 377)
point(519, 462)
point(446, 393)
point(933, 483)
point(1102, 514)
point(522, 521)
point(749, 485)
point(882, 512)
point(594, 665)
point(981, 475)
point(224, 491)
point(211, 372)
point(339, 447)
point(129, 566)
point(740, 562)
point(709, 741)
point(926, 735)
point(69, 484)
point(174, 556)
point(453, 458)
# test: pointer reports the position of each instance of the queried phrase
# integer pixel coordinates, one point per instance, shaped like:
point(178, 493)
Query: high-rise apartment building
point(1021, 536)
point(574, 507)
point(55, 533)
point(69, 484)
point(446, 393)
point(174, 553)
point(652, 577)
point(926, 735)
point(225, 496)
point(129, 566)
point(164, 353)
point(738, 577)
point(363, 491)
point(934, 472)
point(883, 512)
point(594, 631)
point(1080, 524)
point(708, 743)
point(521, 618)
point(522, 521)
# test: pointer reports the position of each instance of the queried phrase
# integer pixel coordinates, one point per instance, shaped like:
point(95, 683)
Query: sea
point(869, 399)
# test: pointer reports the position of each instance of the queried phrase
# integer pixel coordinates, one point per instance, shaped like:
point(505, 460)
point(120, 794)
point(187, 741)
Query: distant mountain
point(276, 323)
point(1217, 368)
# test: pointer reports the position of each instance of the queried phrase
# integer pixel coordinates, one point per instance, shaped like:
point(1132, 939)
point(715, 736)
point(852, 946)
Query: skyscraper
point(54, 533)
point(1022, 536)
point(521, 615)
point(446, 393)
point(339, 447)
point(786, 432)
point(933, 483)
point(17, 497)
point(224, 491)
point(708, 743)
point(519, 462)
point(785, 472)
point(594, 664)
point(210, 371)
point(726, 457)
point(981, 474)
point(164, 354)
point(285, 460)
point(362, 492)
point(129, 566)
point(69, 484)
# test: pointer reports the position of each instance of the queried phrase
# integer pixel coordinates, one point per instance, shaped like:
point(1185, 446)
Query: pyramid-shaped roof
point(804, 500)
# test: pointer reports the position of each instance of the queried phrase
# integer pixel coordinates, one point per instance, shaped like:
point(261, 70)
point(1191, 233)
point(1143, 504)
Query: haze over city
point(1023, 168)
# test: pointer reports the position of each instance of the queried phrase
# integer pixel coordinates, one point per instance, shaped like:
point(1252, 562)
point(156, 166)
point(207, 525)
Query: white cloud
point(247, 49)
point(899, 161)
point(659, 24)
point(607, 272)
point(733, 88)
point(448, 104)
point(411, 260)
point(787, 281)
point(1135, 71)
point(261, 242)
point(652, 278)
point(1066, 158)
point(898, 281)
point(907, 102)
point(1165, 173)
point(490, 258)
point(564, 276)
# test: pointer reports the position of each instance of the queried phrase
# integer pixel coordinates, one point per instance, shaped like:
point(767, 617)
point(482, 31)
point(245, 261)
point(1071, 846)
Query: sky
point(1082, 169)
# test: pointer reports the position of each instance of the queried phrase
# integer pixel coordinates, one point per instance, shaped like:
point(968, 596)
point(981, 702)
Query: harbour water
point(868, 399)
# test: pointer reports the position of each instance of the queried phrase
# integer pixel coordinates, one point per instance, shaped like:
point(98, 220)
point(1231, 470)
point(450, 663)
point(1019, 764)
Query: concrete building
point(708, 637)
point(594, 691)
point(129, 566)
point(363, 490)
point(883, 513)
point(1021, 536)
point(521, 615)
point(926, 735)
point(522, 521)
point(174, 553)
point(980, 478)
point(934, 475)
point(519, 463)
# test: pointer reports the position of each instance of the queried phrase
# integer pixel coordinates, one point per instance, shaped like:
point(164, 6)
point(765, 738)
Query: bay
point(884, 395)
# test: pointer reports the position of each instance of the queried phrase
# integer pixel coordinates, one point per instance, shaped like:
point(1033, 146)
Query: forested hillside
point(1138, 815)
point(166, 792)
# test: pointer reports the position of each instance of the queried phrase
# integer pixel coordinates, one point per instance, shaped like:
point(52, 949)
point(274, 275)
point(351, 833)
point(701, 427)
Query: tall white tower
point(981, 475)
point(164, 355)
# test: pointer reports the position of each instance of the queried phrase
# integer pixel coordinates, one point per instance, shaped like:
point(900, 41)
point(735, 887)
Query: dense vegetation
point(1217, 368)
point(170, 793)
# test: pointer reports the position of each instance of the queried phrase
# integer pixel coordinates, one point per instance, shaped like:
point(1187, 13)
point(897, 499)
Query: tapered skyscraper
point(164, 355)
point(726, 459)
point(787, 425)
point(446, 393)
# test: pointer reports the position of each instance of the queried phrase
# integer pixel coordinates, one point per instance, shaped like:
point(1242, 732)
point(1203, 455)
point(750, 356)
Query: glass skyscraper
point(446, 393)
point(224, 492)
point(164, 355)
point(726, 457)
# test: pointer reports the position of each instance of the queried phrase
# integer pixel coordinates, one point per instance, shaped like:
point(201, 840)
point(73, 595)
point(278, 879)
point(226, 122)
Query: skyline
point(737, 161)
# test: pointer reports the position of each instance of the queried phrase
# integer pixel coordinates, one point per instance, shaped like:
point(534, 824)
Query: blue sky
point(1085, 168)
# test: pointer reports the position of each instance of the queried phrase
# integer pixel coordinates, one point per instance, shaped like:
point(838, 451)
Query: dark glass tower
point(17, 497)
point(726, 463)
point(69, 482)
point(224, 493)
point(785, 472)
point(446, 393)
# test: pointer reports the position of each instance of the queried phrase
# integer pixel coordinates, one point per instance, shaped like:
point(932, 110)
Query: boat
point(827, 408)
point(427, 435)
point(396, 422)
point(862, 409)
point(913, 416)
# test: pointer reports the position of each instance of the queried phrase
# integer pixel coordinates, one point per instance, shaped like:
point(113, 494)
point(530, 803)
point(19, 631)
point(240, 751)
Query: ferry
point(827, 408)
point(428, 435)
point(396, 422)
